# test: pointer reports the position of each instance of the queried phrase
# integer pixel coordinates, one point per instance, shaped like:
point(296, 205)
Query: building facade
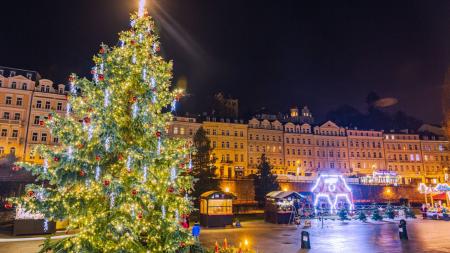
point(265, 137)
point(229, 142)
point(25, 101)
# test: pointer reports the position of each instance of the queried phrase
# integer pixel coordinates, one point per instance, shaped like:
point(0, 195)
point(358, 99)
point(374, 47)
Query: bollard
point(306, 244)
point(403, 234)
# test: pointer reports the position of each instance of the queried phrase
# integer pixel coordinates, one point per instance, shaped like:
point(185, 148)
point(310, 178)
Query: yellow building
point(25, 100)
point(436, 160)
point(265, 137)
point(403, 155)
point(229, 142)
point(365, 151)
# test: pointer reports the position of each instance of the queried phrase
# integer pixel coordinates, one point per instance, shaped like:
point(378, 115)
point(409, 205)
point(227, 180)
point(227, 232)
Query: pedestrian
point(424, 211)
point(196, 231)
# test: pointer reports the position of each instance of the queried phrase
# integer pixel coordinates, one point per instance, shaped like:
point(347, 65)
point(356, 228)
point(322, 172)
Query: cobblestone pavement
point(335, 236)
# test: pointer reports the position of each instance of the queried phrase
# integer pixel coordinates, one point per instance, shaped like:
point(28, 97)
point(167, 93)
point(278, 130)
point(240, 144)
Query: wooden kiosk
point(281, 205)
point(216, 209)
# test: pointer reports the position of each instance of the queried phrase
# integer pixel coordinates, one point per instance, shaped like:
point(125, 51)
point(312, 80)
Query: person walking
point(196, 231)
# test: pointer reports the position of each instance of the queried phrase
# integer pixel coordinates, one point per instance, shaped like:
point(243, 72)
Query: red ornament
point(97, 157)
point(71, 78)
point(134, 192)
point(82, 173)
point(171, 189)
point(56, 159)
point(182, 165)
point(15, 168)
point(102, 50)
point(41, 122)
point(133, 42)
point(87, 120)
point(182, 244)
point(158, 134)
point(8, 205)
point(80, 146)
point(140, 215)
point(106, 182)
point(30, 193)
point(101, 77)
point(134, 99)
point(50, 117)
point(120, 157)
point(93, 71)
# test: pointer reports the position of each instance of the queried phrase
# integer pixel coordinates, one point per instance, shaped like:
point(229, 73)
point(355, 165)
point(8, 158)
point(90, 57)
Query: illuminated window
point(182, 130)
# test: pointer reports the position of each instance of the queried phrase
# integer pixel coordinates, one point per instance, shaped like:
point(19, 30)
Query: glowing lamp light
point(227, 189)
point(141, 8)
point(285, 188)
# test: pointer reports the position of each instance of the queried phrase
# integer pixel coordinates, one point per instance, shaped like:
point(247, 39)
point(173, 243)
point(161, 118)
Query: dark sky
point(266, 53)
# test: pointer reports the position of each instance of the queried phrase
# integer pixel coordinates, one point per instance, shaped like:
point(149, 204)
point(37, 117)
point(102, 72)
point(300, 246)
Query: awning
point(440, 196)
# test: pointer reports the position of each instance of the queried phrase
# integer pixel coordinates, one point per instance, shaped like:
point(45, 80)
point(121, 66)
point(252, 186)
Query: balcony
point(12, 122)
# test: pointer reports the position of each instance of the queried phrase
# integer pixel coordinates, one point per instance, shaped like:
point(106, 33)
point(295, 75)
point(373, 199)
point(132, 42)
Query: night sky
point(272, 54)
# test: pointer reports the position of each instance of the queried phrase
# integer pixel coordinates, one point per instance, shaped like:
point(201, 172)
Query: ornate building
point(25, 101)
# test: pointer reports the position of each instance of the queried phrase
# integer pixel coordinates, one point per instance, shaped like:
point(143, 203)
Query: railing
point(12, 121)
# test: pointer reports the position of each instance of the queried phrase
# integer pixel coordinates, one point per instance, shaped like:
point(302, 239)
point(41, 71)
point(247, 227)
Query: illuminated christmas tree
point(116, 177)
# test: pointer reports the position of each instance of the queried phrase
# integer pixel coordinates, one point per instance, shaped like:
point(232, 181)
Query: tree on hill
point(203, 163)
point(264, 181)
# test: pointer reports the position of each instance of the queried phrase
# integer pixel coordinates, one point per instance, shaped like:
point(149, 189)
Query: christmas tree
point(116, 177)
point(362, 216)
point(264, 181)
point(390, 212)
point(409, 213)
point(376, 214)
point(343, 214)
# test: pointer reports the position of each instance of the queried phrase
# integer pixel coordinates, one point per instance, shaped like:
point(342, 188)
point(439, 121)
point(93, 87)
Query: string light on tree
point(124, 111)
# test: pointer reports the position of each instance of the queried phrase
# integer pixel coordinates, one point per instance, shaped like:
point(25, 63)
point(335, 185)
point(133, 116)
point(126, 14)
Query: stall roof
point(283, 194)
point(208, 194)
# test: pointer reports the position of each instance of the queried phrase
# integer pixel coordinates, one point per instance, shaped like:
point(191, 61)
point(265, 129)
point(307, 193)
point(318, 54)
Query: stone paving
point(354, 236)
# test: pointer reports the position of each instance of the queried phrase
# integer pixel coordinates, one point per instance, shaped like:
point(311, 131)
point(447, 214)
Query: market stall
point(281, 206)
point(437, 200)
point(216, 209)
point(27, 223)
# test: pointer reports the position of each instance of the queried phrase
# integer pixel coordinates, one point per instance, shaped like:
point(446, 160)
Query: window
point(24, 86)
point(16, 116)
point(36, 120)
point(4, 132)
point(2, 150)
point(31, 155)
point(214, 143)
point(1, 82)
point(39, 104)
point(12, 73)
point(15, 133)
point(214, 132)
point(6, 115)
point(44, 137)
point(59, 107)
point(8, 100)
point(13, 85)
point(47, 88)
point(29, 75)
point(175, 130)
point(12, 151)
point(34, 137)
point(242, 145)
point(182, 130)
point(236, 157)
point(19, 101)
point(55, 139)
point(47, 105)
point(242, 158)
